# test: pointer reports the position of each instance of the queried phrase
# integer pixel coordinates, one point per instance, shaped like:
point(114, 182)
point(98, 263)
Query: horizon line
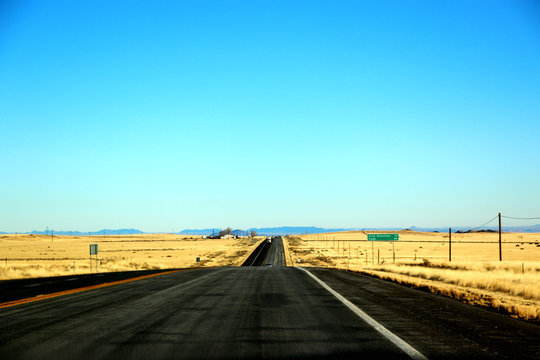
point(134, 230)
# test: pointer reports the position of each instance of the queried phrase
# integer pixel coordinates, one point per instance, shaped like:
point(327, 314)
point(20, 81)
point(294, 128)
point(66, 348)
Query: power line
point(496, 216)
point(432, 251)
point(520, 218)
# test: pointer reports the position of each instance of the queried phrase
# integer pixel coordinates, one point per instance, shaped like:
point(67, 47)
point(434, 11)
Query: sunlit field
point(24, 256)
point(474, 275)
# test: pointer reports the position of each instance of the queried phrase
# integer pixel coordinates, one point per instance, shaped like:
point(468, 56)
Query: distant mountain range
point(299, 230)
point(282, 230)
point(83, 233)
point(522, 229)
point(285, 230)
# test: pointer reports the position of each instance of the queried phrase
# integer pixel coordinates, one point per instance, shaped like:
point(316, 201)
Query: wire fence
point(471, 245)
point(375, 252)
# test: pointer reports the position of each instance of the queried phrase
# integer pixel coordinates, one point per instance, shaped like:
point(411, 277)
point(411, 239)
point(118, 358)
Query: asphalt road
point(258, 255)
point(257, 312)
point(11, 290)
point(276, 255)
point(267, 253)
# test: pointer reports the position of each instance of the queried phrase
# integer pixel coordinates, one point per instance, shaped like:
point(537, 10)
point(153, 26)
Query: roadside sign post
point(382, 237)
point(449, 244)
point(93, 251)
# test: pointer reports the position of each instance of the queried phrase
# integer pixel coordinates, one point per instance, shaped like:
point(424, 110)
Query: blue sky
point(165, 115)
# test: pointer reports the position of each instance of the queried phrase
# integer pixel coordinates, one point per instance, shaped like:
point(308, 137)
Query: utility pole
point(372, 253)
point(500, 239)
point(450, 244)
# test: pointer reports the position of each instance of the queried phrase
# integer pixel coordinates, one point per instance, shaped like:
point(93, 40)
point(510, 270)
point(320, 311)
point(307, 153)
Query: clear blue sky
point(165, 115)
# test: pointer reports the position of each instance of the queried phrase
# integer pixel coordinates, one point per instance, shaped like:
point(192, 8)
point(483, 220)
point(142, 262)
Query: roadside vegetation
point(26, 256)
point(511, 286)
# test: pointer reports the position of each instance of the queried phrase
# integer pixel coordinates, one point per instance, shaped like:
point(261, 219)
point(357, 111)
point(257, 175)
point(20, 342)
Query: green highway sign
point(383, 237)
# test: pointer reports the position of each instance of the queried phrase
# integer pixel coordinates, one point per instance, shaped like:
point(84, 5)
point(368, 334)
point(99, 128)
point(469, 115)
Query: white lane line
point(408, 349)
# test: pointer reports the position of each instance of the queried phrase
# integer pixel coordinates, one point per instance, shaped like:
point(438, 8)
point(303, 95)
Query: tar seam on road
point(408, 349)
point(72, 291)
point(266, 255)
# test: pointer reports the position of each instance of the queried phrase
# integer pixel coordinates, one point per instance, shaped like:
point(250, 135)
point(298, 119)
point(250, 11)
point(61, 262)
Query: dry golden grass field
point(475, 274)
point(23, 256)
point(420, 259)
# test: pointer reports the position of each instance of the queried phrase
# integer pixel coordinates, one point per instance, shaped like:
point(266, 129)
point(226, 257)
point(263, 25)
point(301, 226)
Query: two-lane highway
point(216, 313)
point(268, 253)
point(276, 254)
point(258, 312)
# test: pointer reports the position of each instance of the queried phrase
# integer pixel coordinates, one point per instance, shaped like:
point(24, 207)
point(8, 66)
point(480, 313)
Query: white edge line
point(408, 349)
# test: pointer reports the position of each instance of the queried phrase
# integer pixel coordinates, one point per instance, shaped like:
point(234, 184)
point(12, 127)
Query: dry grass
point(288, 256)
point(503, 287)
point(414, 245)
point(474, 275)
point(24, 256)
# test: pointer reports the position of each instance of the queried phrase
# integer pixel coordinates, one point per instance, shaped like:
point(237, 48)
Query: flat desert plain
point(24, 256)
point(351, 247)
point(421, 259)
